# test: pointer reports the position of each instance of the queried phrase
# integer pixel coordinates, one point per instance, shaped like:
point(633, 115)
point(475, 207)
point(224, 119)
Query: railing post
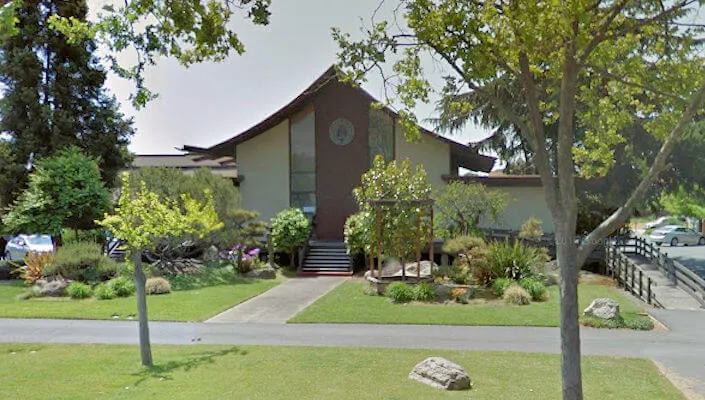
point(648, 290)
point(641, 284)
point(633, 272)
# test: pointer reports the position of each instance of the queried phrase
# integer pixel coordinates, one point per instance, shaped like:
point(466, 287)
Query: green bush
point(357, 232)
point(537, 290)
point(422, 291)
point(499, 285)
point(462, 244)
point(640, 324)
point(290, 230)
point(400, 292)
point(78, 290)
point(123, 286)
point(516, 294)
point(157, 285)
point(104, 291)
point(82, 261)
point(514, 260)
point(456, 273)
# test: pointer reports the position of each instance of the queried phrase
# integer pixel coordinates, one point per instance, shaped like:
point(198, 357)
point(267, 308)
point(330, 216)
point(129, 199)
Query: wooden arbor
point(409, 204)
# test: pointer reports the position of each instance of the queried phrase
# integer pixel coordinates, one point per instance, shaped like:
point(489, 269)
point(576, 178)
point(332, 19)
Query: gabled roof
point(466, 155)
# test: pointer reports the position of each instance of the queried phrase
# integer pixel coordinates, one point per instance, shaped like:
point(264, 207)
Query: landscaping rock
point(54, 288)
point(264, 272)
point(604, 308)
point(393, 269)
point(441, 374)
point(442, 292)
point(210, 254)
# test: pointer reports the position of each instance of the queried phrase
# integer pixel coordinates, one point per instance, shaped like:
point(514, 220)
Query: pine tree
point(54, 96)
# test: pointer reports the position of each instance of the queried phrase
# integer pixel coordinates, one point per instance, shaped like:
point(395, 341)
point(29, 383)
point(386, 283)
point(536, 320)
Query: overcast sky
point(208, 103)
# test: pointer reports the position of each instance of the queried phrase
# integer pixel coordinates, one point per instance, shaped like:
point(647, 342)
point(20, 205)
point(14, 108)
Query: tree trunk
point(570, 326)
point(292, 254)
point(145, 346)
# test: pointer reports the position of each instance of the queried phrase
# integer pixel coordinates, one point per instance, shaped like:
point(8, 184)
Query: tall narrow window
point(303, 162)
point(381, 135)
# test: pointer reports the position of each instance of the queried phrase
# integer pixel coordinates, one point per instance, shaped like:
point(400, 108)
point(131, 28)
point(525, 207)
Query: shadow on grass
point(207, 276)
point(163, 371)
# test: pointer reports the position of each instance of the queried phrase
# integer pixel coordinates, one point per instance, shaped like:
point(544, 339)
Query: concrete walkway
point(280, 303)
point(667, 293)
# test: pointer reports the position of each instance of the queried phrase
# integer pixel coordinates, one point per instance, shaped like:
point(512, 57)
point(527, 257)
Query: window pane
point(381, 135)
point(304, 200)
point(303, 182)
point(303, 162)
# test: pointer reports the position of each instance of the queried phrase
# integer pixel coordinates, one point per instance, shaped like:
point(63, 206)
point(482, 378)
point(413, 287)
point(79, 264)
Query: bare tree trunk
point(570, 325)
point(145, 345)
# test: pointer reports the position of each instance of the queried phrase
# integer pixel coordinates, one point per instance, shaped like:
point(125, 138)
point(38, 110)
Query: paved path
point(680, 350)
point(280, 303)
point(667, 293)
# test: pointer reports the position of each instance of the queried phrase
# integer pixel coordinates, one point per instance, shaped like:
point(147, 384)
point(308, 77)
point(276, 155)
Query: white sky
point(208, 103)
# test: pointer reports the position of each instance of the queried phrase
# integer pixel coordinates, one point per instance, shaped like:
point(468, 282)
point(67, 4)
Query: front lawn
point(265, 372)
point(348, 304)
point(195, 304)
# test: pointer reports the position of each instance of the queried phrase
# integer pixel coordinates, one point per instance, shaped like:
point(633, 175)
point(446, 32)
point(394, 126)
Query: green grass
point(259, 372)
point(182, 305)
point(348, 304)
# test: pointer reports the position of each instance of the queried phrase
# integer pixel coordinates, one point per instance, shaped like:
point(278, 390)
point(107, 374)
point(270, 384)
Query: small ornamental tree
point(404, 228)
point(460, 206)
point(142, 219)
point(65, 191)
point(290, 230)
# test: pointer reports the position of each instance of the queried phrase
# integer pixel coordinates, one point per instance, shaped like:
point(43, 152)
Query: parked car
point(675, 235)
point(661, 221)
point(18, 246)
point(4, 240)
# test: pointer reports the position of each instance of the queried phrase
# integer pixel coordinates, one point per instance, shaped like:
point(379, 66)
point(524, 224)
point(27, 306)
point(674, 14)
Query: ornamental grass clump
point(517, 295)
point(423, 292)
point(157, 285)
point(78, 290)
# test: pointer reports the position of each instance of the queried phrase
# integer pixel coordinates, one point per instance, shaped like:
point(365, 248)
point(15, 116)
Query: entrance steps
point(326, 258)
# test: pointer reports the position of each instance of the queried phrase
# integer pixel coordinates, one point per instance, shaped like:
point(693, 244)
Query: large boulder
point(393, 269)
point(264, 272)
point(53, 288)
point(441, 374)
point(604, 308)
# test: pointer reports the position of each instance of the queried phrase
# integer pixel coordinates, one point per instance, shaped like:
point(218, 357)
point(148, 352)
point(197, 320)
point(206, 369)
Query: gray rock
point(264, 272)
point(604, 308)
point(393, 269)
point(441, 374)
point(54, 288)
point(211, 254)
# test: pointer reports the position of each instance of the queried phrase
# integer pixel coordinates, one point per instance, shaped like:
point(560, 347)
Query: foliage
point(241, 228)
point(460, 206)
point(499, 285)
point(685, 202)
point(35, 263)
point(460, 295)
point(457, 273)
point(190, 32)
point(404, 227)
point(104, 291)
point(64, 191)
point(422, 291)
point(462, 244)
point(472, 257)
point(122, 286)
point(515, 260)
point(157, 285)
point(531, 229)
point(535, 288)
point(357, 233)
point(290, 230)
point(516, 295)
point(245, 260)
point(78, 290)
point(209, 275)
point(400, 292)
point(82, 261)
point(639, 324)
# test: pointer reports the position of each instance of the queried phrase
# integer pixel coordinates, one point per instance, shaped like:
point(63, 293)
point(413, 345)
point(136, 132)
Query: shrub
point(290, 230)
point(423, 292)
point(370, 290)
point(357, 232)
point(83, 261)
point(104, 292)
point(460, 206)
point(499, 285)
point(531, 229)
point(515, 260)
point(35, 266)
point(462, 244)
point(640, 324)
point(537, 290)
point(78, 290)
point(460, 295)
point(456, 273)
point(400, 292)
point(157, 285)
point(516, 294)
point(122, 286)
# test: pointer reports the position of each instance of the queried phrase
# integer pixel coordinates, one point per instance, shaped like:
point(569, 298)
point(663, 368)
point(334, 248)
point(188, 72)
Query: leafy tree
point(65, 191)
point(404, 226)
point(684, 202)
point(142, 219)
point(461, 205)
point(53, 95)
point(290, 230)
point(604, 66)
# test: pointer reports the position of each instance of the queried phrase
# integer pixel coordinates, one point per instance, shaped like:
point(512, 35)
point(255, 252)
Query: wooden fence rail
point(628, 275)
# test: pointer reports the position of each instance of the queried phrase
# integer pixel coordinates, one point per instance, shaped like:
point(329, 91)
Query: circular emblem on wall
point(341, 131)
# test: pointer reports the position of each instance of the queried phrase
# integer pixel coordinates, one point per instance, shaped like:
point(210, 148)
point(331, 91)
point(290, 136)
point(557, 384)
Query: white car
point(675, 235)
point(18, 246)
point(660, 222)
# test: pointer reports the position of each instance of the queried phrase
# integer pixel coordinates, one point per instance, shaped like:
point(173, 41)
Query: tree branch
point(621, 214)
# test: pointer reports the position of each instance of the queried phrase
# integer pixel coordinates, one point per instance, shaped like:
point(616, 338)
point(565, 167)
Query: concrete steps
point(326, 258)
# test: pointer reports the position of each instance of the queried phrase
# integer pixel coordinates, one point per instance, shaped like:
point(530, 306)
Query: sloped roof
point(180, 161)
point(466, 155)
